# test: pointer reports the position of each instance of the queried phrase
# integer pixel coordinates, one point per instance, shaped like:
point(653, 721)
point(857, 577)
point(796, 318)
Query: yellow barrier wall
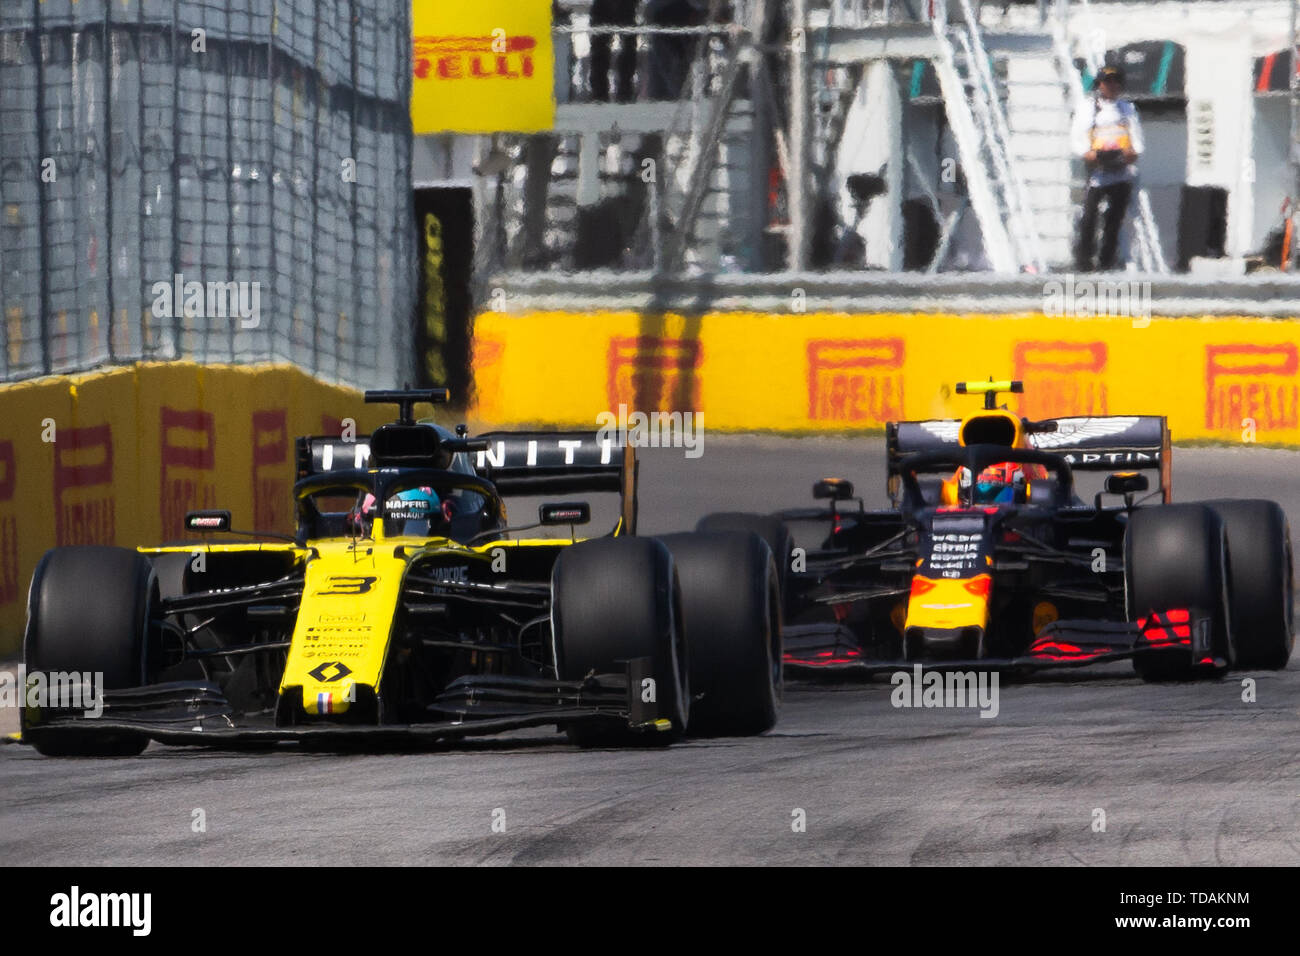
point(835, 372)
point(119, 456)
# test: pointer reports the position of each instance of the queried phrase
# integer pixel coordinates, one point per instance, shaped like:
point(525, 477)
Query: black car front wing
point(828, 649)
point(196, 713)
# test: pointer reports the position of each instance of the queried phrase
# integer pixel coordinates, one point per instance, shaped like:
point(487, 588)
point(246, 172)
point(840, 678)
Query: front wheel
point(1176, 557)
point(88, 612)
point(615, 599)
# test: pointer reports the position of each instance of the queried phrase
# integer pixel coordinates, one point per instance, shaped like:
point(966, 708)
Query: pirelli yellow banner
point(483, 67)
point(118, 457)
point(1223, 379)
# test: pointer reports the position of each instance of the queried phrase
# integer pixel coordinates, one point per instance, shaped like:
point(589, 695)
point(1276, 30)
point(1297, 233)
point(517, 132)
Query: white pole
point(1294, 85)
point(796, 185)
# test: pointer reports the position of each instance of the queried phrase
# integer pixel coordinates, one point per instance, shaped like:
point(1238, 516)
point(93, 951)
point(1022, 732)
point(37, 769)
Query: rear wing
point(558, 463)
point(403, 442)
point(318, 454)
point(1106, 443)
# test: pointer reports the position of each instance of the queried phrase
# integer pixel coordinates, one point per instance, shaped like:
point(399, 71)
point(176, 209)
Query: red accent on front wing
point(825, 658)
point(1051, 650)
point(1168, 627)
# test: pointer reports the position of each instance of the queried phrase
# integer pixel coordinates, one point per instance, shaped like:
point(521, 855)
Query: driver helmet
point(412, 511)
point(408, 512)
point(997, 484)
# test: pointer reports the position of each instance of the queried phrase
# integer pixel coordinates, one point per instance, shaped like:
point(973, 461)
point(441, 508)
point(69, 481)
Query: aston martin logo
point(1072, 431)
point(943, 429)
point(340, 669)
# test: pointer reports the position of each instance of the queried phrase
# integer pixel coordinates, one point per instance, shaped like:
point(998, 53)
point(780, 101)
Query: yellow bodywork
point(949, 603)
point(340, 639)
point(349, 603)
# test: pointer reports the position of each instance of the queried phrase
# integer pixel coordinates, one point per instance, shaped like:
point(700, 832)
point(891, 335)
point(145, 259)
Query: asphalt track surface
point(1185, 774)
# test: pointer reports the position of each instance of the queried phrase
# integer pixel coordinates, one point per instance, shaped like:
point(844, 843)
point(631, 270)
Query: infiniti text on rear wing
point(559, 463)
point(317, 454)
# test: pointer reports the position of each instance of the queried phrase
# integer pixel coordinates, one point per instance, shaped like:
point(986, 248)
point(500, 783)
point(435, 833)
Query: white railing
point(997, 242)
point(1024, 228)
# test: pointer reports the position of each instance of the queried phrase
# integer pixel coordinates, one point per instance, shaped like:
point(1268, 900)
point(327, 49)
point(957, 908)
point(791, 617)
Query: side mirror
point(564, 513)
point(1126, 483)
point(207, 521)
point(836, 489)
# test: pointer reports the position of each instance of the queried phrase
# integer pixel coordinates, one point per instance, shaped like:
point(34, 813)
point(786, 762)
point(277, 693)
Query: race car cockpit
point(422, 511)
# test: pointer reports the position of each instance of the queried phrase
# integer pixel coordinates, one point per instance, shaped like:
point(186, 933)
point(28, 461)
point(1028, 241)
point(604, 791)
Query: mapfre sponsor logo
point(654, 373)
point(1256, 382)
point(855, 380)
point(1061, 378)
point(474, 58)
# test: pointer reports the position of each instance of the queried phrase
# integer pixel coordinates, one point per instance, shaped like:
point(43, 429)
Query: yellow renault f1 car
point(406, 606)
point(992, 557)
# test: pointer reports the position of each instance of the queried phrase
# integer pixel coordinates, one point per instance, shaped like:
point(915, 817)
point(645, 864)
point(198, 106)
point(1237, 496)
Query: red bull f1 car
point(991, 557)
point(406, 606)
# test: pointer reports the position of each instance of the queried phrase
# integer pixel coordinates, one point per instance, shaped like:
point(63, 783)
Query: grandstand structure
point(264, 150)
point(856, 137)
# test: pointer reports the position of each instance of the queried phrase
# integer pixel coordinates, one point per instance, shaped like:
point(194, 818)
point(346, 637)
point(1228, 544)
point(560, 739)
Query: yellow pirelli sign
point(482, 67)
point(118, 457)
point(1227, 379)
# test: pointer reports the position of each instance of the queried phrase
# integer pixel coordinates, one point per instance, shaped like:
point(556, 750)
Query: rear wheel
point(772, 530)
point(731, 601)
point(1260, 582)
point(615, 599)
point(88, 611)
point(1176, 557)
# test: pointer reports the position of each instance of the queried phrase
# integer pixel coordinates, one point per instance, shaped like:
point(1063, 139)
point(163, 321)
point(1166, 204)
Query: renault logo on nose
point(341, 671)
